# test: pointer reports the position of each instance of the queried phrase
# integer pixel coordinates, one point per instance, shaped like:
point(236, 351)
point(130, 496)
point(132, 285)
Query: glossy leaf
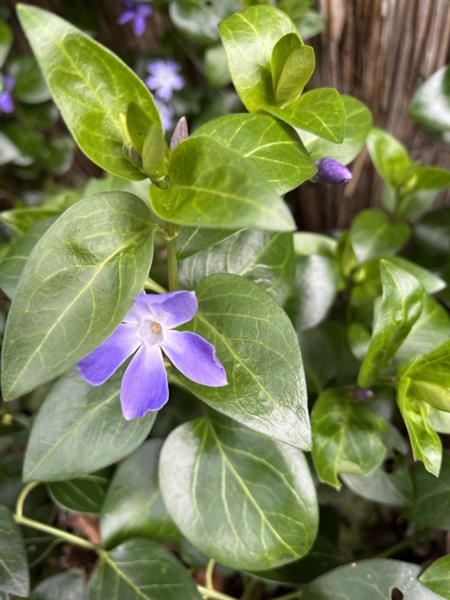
point(265, 258)
point(307, 243)
point(133, 506)
point(430, 106)
point(273, 148)
point(240, 497)
point(141, 569)
point(213, 186)
point(71, 61)
point(346, 437)
point(436, 577)
point(400, 307)
point(73, 292)
point(370, 579)
point(14, 577)
point(358, 121)
point(292, 65)
point(431, 506)
point(258, 347)
point(439, 420)
point(389, 156)
point(85, 495)
point(372, 234)
point(431, 282)
point(70, 585)
point(80, 429)
point(191, 240)
point(249, 38)
point(6, 39)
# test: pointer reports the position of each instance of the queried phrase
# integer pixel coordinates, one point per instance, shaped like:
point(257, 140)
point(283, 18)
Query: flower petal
point(144, 385)
point(101, 363)
point(125, 17)
point(140, 23)
point(194, 357)
point(172, 309)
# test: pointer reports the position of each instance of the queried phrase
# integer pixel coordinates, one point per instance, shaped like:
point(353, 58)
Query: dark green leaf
point(430, 106)
point(258, 347)
point(141, 569)
point(198, 19)
point(265, 258)
point(6, 39)
point(68, 303)
point(389, 157)
point(213, 186)
point(372, 234)
point(29, 86)
point(240, 497)
point(192, 240)
point(437, 576)
point(14, 577)
point(83, 495)
point(133, 506)
point(292, 65)
point(80, 429)
point(70, 585)
point(71, 62)
point(273, 148)
point(432, 497)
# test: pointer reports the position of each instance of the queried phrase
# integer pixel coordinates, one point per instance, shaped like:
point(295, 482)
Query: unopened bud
point(332, 171)
point(180, 133)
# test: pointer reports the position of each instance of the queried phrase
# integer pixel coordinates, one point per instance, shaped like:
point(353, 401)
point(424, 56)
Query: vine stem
point(171, 234)
point(23, 496)
point(209, 574)
point(291, 596)
point(403, 544)
point(214, 594)
point(154, 286)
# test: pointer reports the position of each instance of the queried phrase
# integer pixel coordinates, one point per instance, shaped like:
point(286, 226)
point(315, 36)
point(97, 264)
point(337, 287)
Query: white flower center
point(150, 332)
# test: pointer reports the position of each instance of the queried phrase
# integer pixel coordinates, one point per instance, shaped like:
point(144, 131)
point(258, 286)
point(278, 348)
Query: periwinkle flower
point(136, 12)
point(164, 78)
point(146, 332)
point(6, 99)
point(167, 114)
point(332, 171)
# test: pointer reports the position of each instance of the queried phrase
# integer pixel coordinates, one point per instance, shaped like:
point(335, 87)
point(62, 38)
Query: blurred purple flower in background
point(136, 12)
point(6, 99)
point(164, 78)
point(167, 114)
point(146, 331)
point(332, 171)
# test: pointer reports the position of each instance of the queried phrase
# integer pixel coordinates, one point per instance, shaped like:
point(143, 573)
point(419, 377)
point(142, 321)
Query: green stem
point(292, 596)
point(399, 546)
point(171, 256)
point(213, 594)
point(209, 574)
point(62, 535)
point(154, 286)
point(23, 496)
point(249, 589)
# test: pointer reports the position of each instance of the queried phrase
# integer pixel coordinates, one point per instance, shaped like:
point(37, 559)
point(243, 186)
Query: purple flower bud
point(6, 99)
point(180, 133)
point(136, 13)
point(332, 171)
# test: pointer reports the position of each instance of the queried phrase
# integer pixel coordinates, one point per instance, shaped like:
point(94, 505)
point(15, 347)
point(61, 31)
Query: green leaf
point(320, 111)
point(19, 250)
point(213, 186)
point(292, 64)
point(389, 156)
point(429, 377)
point(249, 38)
point(372, 234)
point(70, 585)
point(68, 303)
point(141, 569)
point(6, 39)
point(358, 121)
point(244, 499)
point(431, 506)
point(91, 86)
point(265, 258)
point(307, 243)
point(439, 420)
point(273, 148)
point(431, 282)
point(426, 178)
point(426, 444)
point(83, 495)
point(198, 19)
point(80, 429)
point(430, 106)
point(369, 579)
point(346, 437)
point(14, 577)
point(134, 506)
point(29, 85)
point(257, 345)
point(437, 576)
point(400, 307)
point(216, 66)
point(191, 240)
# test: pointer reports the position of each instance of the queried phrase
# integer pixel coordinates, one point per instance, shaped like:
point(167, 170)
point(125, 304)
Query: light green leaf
point(265, 258)
point(372, 234)
point(91, 86)
point(80, 429)
point(292, 65)
point(14, 578)
point(240, 497)
point(6, 39)
point(389, 157)
point(198, 19)
point(319, 111)
point(83, 495)
point(70, 585)
point(430, 106)
point(249, 38)
point(439, 420)
point(437, 576)
point(273, 148)
point(141, 569)
point(134, 506)
point(257, 345)
point(191, 240)
point(372, 579)
point(431, 506)
point(213, 186)
point(346, 437)
point(426, 444)
point(359, 340)
point(307, 243)
point(431, 282)
point(74, 291)
point(426, 178)
point(29, 85)
point(216, 66)
point(400, 307)
point(358, 121)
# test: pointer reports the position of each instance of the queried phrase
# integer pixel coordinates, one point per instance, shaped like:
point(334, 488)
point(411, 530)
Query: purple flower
point(167, 114)
point(145, 332)
point(164, 78)
point(6, 99)
point(138, 13)
point(332, 171)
